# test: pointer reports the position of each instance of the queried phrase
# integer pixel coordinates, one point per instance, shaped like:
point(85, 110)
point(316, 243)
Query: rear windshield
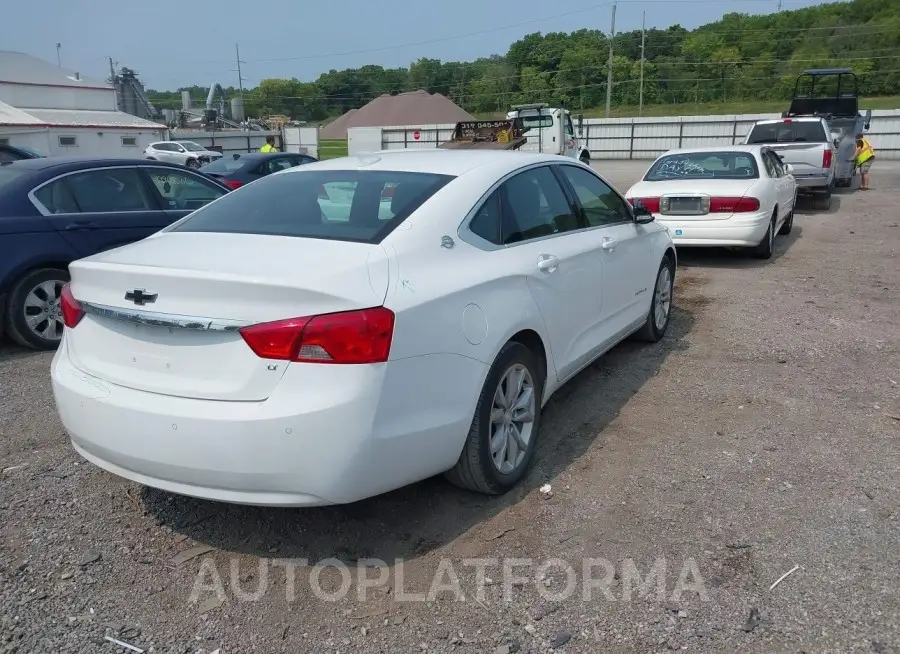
point(341, 205)
point(223, 165)
point(704, 165)
point(788, 132)
point(8, 174)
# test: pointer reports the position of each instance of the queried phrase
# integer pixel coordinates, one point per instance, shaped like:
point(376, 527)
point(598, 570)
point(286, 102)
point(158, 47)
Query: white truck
point(817, 134)
point(549, 130)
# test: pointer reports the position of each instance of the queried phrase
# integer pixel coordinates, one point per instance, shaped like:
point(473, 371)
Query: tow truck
point(533, 127)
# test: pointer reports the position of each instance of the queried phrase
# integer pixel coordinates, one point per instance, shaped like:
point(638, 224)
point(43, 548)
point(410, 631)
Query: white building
point(62, 113)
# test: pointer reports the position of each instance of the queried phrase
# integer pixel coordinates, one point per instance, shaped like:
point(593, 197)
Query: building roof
point(21, 68)
point(12, 116)
point(413, 108)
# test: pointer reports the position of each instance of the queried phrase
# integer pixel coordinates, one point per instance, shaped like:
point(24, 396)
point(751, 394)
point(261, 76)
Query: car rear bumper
point(813, 182)
point(740, 230)
point(303, 446)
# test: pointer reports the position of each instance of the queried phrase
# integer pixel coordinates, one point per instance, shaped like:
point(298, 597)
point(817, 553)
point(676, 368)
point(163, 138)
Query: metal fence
point(229, 142)
point(635, 138)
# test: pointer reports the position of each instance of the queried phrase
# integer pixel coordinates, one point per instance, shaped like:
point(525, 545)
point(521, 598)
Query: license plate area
point(684, 205)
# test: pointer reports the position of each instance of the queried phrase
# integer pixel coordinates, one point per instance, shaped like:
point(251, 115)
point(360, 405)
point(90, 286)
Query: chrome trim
point(156, 319)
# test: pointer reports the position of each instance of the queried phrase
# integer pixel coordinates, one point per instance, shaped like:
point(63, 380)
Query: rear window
point(788, 132)
point(8, 175)
point(342, 205)
point(223, 165)
point(704, 165)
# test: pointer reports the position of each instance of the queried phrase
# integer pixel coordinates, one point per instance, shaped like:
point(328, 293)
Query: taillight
point(733, 205)
point(232, 183)
point(349, 337)
point(71, 311)
point(652, 204)
point(826, 158)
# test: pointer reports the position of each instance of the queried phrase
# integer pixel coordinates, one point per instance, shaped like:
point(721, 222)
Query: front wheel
point(504, 431)
point(34, 317)
point(661, 305)
point(193, 163)
point(585, 158)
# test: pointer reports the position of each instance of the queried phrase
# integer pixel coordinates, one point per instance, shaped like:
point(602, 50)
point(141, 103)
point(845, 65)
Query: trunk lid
point(689, 199)
point(184, 342)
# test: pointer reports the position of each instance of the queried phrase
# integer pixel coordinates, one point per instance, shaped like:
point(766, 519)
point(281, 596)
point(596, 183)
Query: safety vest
point(268, 148)
point(865, 152)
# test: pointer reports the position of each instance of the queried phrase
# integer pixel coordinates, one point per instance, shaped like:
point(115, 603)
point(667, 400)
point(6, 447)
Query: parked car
point(737, 196)
point(240, 169)
point(186, 153)
point(806, 144)
point(55, 210)
point(274, 349)
point(13, 153)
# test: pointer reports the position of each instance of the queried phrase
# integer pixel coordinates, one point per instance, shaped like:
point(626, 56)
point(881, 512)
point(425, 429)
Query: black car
point(239, 169)
point(12, 153)
point(54, 211)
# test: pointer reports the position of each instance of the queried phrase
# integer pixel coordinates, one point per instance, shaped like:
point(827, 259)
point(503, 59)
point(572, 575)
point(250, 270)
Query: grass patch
point(331, 149)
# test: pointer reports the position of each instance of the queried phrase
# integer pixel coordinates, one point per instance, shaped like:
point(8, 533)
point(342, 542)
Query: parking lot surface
point(762, 434)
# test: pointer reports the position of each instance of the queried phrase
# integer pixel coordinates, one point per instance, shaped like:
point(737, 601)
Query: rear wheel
point(504, 431)
point(33, 317)
point(767, 246)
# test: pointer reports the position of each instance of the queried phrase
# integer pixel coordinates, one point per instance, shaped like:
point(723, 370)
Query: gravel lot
point(762, 434)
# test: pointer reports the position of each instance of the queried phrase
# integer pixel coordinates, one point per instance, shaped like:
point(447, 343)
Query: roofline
point(154, 127)
point(59, 86)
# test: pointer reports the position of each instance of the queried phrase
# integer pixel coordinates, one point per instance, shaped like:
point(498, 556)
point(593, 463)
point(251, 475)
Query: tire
point(40, 286)
point(788, 223)
point(476, 469)
point(656, 325)
point(194, 164)
point(767, 246)
point(585, 158)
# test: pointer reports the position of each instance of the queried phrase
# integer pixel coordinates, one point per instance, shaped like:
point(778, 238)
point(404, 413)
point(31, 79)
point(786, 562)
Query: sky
point(173, 43)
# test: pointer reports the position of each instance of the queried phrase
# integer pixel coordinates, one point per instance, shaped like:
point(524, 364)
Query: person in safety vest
point(270, 145)
point(863, 157)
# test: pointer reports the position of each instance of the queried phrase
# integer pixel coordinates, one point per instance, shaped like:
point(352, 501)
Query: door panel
point(101, 209)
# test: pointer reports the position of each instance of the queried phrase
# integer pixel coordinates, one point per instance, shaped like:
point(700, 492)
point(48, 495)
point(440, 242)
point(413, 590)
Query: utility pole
point(779, 6)
point(58, 60)
point(609, 72)
point(643, 41)
point(112, 71)
point(237, 52)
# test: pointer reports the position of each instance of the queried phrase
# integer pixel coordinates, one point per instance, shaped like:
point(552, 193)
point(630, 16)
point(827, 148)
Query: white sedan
point(733, 196)
point(271, 349)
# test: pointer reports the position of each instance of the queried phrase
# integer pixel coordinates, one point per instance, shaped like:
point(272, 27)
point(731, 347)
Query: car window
point(703, 165)
point(534, 205)
point(349, 205)
point(769, 164)
point(788, 131)
point(7, 156)
point(776, 163)
point(274, 165)
point(109, 190)
point(570, 129)
point(486, 223)
point(190, 146)
point(182, 190)
point(601, 204)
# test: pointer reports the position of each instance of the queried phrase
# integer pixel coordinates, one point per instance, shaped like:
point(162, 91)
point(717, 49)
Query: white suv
point(186, 153)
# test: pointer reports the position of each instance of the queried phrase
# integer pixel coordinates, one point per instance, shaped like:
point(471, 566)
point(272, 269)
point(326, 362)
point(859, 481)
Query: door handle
point(81, 226)
point(548, 263)
point(608, 244)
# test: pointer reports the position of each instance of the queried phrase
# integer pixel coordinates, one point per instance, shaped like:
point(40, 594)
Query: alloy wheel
point(512, 419)
point(663, 295)
point(43, 315)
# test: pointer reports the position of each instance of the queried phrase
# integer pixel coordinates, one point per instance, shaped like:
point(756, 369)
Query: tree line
point(738, 57)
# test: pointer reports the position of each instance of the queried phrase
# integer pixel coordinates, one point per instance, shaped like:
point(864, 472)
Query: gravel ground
point(762, 434)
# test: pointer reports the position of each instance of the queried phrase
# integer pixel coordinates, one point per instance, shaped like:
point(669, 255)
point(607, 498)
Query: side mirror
point(789, 169)
point(642, 215)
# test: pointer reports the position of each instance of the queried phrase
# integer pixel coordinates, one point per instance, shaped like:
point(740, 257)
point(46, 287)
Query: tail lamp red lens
point(70, 308)
point(349, 337)
point(827, 157)
point(232, 183)
point(652, 204)
point(733, 205)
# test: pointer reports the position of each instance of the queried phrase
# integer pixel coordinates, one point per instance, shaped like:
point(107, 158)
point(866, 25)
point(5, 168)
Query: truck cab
point(549, 130)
